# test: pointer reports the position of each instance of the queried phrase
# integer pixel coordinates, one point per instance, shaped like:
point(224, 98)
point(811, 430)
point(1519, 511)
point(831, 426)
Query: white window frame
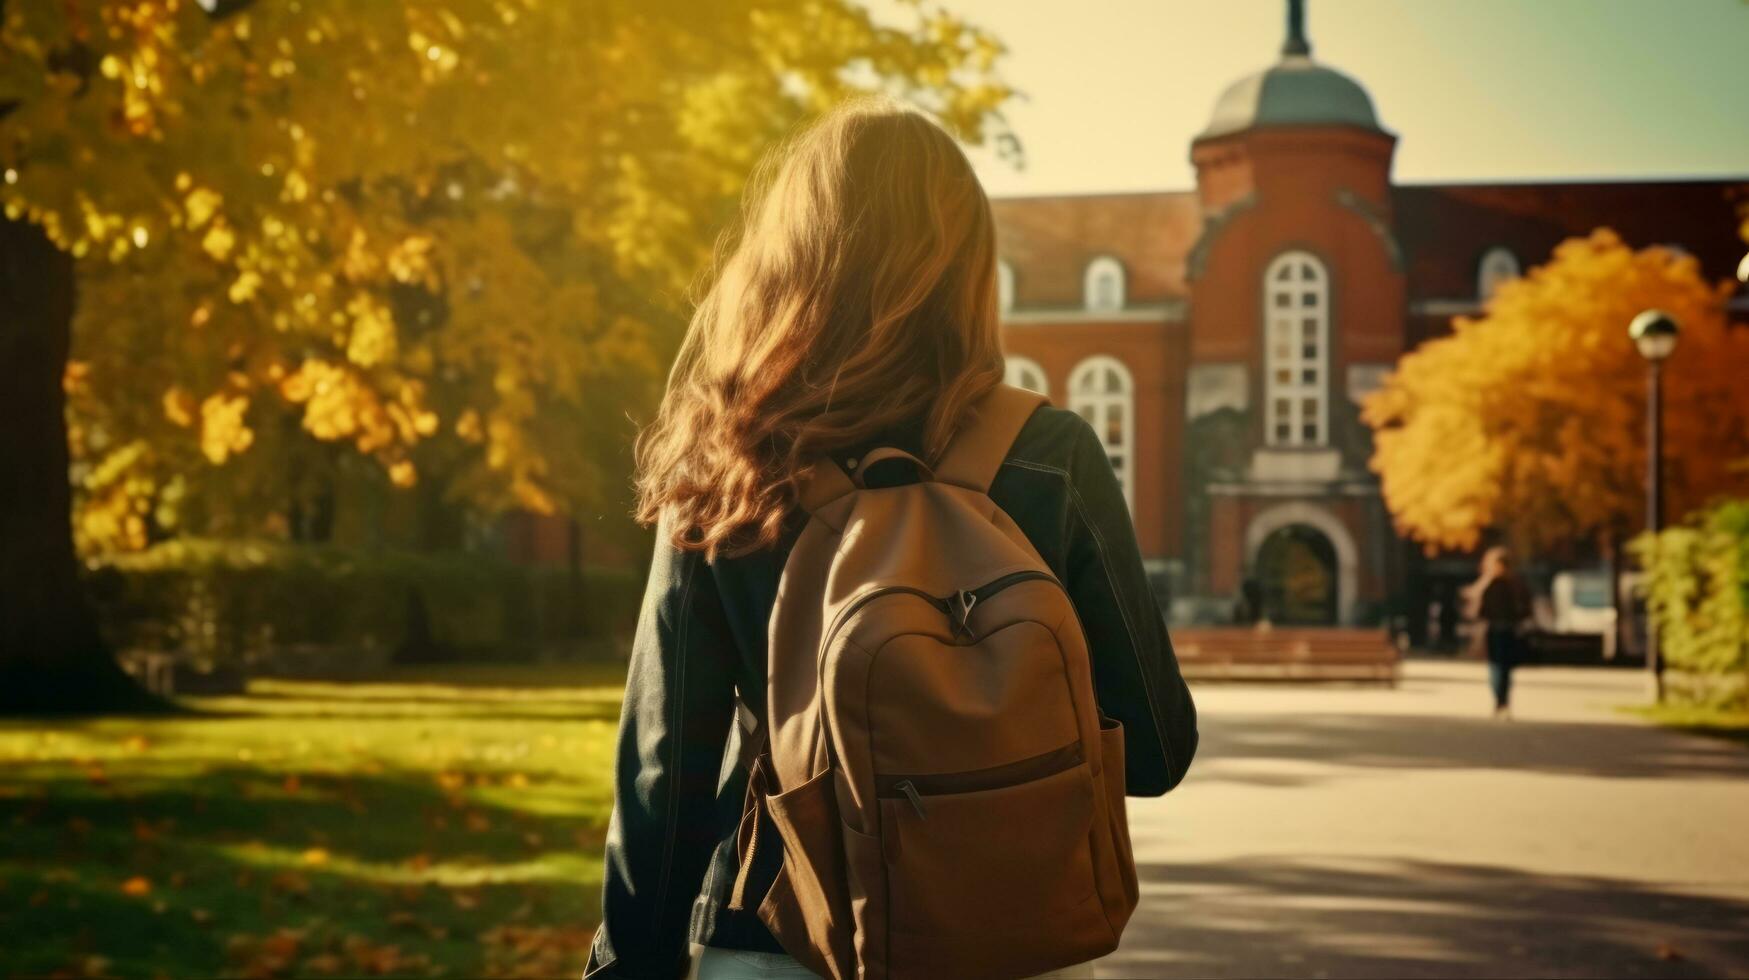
point(1296, 351)
point(1498, 266)
point(1099, 270)
point(1004, 285)
point(1090, 397)
point(1019, 370)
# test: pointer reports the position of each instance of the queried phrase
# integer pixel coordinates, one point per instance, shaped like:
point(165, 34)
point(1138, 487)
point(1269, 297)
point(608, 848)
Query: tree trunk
point(52, 659)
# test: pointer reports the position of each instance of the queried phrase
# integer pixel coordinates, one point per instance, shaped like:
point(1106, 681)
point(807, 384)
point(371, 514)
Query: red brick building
point(1220, 339)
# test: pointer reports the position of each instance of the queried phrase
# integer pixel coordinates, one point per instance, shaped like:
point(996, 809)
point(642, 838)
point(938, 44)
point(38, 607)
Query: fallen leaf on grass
point(464, 900)
point(292, 784)
point(477, 822)
point(419, 862)
point(1668, 952)
point(381, 959)
point(536, 951)
point(136, 886)
point(322, 965)
point(136, 743)
point(264, 956)
point(290, 883)
point(316, 856)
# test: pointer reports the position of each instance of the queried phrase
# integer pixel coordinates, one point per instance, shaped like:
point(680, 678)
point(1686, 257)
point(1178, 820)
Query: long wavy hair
point(858, 295)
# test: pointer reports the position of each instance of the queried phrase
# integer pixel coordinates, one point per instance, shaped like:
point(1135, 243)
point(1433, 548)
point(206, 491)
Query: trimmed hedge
point(249, 601)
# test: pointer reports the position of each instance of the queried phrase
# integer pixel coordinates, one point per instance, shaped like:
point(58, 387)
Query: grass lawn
point(447, 822)
point(1733, 725)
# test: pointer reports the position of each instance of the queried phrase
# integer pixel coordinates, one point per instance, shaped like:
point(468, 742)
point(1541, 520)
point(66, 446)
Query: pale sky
point(1478, 90)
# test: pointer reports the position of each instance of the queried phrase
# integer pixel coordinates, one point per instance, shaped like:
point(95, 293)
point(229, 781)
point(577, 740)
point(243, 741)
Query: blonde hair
point(860, 294)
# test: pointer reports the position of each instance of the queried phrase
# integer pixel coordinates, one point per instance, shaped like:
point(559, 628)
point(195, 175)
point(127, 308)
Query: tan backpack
point(949, 798)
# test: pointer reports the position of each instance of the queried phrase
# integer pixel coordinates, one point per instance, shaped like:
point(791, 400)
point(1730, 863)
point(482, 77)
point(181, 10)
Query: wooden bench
point(1289, 653)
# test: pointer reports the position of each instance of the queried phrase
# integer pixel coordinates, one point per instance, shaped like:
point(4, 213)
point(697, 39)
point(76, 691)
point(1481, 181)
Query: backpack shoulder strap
point(821, 485)
point(977, 449)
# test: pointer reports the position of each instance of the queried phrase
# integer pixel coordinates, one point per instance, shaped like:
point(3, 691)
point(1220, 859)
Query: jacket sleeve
point(1135, 672)
point(679, 705)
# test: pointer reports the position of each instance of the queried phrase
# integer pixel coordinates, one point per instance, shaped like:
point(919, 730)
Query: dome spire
point(1296, 43)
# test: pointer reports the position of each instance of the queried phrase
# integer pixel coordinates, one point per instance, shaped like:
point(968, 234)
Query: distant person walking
point(1503, 607)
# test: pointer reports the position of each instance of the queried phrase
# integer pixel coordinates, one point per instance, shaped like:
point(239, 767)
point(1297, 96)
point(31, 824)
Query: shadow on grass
point(1393, 918)
point(415, 711)
point(199, 874)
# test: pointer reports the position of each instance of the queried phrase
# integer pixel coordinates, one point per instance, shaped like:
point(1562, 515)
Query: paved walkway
point(1353, 832)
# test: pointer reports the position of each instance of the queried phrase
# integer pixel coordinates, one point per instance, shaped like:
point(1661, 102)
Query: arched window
point(1100, 391)
point(1296, 304)
point(1026, 373)
point(1104, 285)
point(1004, 286)
point(1498, 265)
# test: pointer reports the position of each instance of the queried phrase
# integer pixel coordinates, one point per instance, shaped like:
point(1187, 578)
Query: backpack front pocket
point(986, 851)
point(808, 909)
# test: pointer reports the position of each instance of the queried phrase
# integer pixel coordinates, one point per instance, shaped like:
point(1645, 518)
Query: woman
point(857, 310)
point(1503, 605)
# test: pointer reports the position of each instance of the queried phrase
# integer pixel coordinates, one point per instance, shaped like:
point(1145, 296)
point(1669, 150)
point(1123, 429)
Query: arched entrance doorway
point(1296, 571)
point(1312, 518)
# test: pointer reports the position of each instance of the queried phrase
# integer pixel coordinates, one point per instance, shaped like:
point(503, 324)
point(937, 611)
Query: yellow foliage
point(179, 406)
point(222, 428)
point(200, 205)
point(1531, 418)
point(371, 210)
point(373, 332)
point(218, 241)
point(402, 473)
point(117, 494)
point(246, 285)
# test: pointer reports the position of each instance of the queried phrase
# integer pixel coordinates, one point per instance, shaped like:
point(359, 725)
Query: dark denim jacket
point(701, 640)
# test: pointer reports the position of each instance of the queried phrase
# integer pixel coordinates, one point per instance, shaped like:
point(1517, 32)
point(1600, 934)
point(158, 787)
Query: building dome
point(1295, 91)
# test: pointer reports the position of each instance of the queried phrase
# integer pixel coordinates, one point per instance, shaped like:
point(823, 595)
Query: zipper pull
point(910, 790)
point(967, 599)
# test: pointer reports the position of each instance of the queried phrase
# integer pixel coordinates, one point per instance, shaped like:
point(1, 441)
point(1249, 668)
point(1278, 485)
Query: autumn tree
point(449, 237)
point(1530, 420)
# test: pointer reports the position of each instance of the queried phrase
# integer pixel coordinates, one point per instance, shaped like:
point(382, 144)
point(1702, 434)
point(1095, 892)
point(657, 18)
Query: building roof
point(1444, 229)
point(1295, 91)
point(1049, 241)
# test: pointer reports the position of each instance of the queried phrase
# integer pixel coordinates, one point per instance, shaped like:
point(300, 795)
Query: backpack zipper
point(915, 787)
point(957, 608)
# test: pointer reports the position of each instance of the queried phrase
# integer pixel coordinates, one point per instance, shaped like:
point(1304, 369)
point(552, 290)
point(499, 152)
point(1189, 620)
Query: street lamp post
point(1654, 332)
